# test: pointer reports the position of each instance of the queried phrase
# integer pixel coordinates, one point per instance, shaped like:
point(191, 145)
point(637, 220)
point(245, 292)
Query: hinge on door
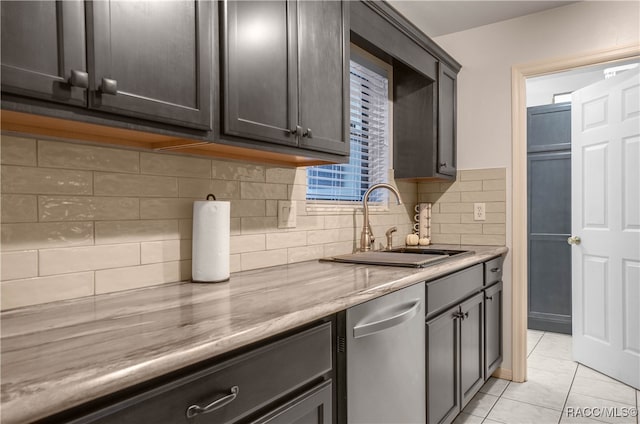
point(342, 344)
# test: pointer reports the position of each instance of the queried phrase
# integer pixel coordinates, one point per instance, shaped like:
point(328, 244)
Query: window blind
point(369, 142)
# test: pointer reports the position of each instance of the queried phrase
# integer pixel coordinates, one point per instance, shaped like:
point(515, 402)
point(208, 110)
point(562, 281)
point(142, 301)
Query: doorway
point(549, 211)
point(519, 169)
point(549, 192)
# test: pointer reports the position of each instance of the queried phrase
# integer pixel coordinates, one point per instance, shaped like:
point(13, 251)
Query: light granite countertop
point(60, 355)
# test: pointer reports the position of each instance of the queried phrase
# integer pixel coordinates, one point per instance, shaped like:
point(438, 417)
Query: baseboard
point(503, 373)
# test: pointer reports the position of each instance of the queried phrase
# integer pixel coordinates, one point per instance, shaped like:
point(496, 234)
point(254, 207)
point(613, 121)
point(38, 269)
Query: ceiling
point(436, 18)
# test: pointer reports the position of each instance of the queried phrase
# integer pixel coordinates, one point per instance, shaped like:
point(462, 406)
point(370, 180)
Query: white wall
point(487, 55)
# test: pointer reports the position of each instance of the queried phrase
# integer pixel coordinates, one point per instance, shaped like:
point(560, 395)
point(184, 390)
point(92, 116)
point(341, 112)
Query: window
point(369, 138)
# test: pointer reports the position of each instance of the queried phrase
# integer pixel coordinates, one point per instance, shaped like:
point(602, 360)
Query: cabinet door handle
point(194, 410)
point(442, 164)
point(79, 79)
point(109, 86)
point(495, 269)
point(363, 330)
point(489, 297)
point(466, 315)
point(296, 130)
point(307, 133)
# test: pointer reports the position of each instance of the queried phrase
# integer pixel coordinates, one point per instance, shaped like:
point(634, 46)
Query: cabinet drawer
point(261, 376)
point(451, 289)
point(314, 406)
point(493, 271)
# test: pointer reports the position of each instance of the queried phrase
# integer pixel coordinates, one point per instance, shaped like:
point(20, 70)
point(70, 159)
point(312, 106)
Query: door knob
point(574, 240)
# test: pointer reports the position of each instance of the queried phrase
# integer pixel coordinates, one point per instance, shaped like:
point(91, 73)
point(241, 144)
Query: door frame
point(519, 73)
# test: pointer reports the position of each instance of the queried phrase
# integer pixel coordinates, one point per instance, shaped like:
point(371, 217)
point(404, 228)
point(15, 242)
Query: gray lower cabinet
point(276, 87)
point(464, 337)
point(443, 383)
point(455, 359)
point(471, 347)
point(285, 381)
point(312, 407)
point(149, 60)
point(493, 328)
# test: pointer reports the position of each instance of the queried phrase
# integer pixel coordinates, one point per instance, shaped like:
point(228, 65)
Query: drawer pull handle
point(195, 410)
point(495, 269)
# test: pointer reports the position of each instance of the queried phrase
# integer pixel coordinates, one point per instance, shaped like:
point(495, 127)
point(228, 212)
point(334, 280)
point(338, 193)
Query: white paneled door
point(605, 192)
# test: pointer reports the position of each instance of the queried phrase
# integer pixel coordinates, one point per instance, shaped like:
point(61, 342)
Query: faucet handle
point(372, 238)
point(389, 234)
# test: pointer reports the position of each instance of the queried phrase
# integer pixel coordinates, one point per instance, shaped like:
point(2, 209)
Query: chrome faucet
point(367, 238)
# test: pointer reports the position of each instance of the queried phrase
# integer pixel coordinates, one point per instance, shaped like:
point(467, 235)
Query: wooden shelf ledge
point(30, 124)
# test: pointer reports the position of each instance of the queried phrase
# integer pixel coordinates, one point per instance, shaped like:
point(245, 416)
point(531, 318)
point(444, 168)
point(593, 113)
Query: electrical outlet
point(287, 214)
point(479, 212)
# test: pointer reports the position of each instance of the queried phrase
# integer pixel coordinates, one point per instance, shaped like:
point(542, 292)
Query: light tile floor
point(556, 386)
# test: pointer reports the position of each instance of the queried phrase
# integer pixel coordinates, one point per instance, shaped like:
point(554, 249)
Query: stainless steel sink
point(431, 251)
point(415, 257)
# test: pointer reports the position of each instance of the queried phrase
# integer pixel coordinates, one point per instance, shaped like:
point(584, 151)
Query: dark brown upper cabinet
point(149, 60)
point(43, 50)
point(424, 91)
point(446, 143)
point(285, 73)
point(424, 123)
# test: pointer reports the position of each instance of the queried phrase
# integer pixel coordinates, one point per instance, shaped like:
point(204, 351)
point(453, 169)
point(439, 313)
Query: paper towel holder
point(210, 241)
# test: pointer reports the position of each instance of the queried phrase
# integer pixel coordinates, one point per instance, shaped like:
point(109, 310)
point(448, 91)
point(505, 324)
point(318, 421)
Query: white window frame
point(319, 207)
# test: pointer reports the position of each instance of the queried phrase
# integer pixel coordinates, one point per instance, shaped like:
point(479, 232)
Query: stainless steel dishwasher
point(385, 359)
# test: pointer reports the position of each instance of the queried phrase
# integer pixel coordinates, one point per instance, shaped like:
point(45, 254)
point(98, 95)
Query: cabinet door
point(312, 407)
point(471, 348)
point(323, 80)
point(259, 70)
point(446, 145)
point(152, 60)
point(493, 328)
point(43, 42)
point(443, 396)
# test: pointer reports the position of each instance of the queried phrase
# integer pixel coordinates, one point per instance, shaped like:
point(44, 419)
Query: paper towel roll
point(210, 253)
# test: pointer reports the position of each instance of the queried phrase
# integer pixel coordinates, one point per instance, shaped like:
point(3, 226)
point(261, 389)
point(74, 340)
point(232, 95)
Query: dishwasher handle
point(364, 330)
